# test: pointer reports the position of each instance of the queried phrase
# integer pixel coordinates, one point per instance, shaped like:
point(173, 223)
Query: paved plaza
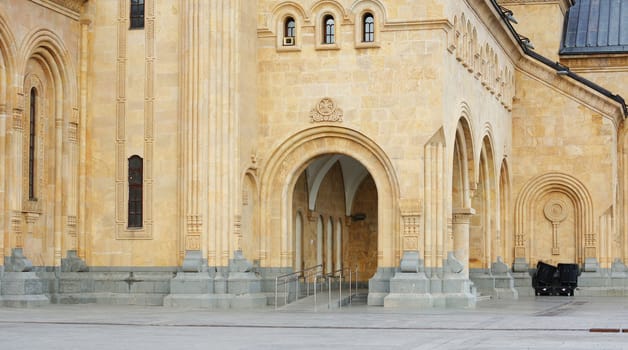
point(529, 323)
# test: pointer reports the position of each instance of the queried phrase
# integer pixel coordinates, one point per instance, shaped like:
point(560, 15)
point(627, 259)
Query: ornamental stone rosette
point(326, 111)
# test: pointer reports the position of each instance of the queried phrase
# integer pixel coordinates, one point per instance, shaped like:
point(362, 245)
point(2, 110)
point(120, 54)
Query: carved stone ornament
point(555, 211)
point(326, 111)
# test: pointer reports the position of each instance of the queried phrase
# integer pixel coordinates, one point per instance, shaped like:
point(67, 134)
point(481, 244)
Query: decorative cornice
point(69, 8)
point(564, 4)
point(596, 63)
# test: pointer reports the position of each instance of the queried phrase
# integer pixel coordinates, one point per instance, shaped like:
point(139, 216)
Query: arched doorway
point(286, 166)
point(339, 195)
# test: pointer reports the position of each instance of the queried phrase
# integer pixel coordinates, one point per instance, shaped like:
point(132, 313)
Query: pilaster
point(434, 194)
point(224, 178)
point(81, 215)
point(192, 130)
point(14, 165)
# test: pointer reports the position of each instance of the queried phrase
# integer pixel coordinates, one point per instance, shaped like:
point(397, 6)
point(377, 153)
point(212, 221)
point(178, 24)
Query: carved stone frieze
point(411, 230)
point(411, 225)
point(326, 111)
point(482, 62)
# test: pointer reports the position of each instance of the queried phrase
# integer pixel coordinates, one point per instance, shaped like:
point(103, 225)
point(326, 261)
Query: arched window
point(31, 145)
point(368, 33)
point(329, 32)
point(137, 14)
point(289, 31)
point(136, 182)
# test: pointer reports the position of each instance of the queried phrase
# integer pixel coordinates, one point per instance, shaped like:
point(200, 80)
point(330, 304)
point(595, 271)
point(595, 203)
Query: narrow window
point(330, 29)
point(137, 14)
point(369, 28)
point(31, 145)
point(136, 169)
point(289, 31)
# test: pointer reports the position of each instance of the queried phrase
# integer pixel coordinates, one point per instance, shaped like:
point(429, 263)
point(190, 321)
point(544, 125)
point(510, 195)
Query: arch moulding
point(576, 192)
point(290, 158)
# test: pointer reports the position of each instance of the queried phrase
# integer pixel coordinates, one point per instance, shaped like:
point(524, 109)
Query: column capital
point(462, 215)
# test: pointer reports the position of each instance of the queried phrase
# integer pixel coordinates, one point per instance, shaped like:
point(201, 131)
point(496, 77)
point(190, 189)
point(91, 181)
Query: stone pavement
point(529, 323)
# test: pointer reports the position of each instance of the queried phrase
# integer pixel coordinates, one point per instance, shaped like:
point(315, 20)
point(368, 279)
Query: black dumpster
point(567, 278)
point(544, 279)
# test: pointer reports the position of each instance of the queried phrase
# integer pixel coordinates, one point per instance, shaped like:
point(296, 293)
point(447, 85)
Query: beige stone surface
point(443, 110)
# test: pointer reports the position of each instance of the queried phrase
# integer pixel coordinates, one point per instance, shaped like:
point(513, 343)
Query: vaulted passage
point(335, 216)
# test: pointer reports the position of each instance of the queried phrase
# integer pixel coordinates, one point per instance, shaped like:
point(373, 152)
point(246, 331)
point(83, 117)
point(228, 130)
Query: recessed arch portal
point(556, 192)
point(323, 190)
point(292, 157)
point(482, 231)
point(462, 175)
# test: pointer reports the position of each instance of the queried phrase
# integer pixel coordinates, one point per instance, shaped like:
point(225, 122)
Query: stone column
point(193, 129)
point(460, 223)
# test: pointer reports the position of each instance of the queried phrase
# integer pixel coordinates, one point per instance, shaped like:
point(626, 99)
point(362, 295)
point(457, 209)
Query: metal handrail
point(295, 276)
point(340, 275)
point(315, 274)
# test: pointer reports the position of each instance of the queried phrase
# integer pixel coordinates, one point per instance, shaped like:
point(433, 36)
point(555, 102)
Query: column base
point(193, 261)
point(72, 263)
point(17, 262)
point(410, 290)
point(415, 290)
point(497, 286)
point(379, 286)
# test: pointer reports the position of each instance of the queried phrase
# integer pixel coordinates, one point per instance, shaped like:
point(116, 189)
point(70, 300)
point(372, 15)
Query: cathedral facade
point(199, 153)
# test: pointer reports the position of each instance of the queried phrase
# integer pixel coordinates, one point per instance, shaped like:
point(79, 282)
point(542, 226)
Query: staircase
point(326, 300)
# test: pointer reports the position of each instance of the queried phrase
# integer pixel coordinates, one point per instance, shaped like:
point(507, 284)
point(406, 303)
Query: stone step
point(325, 301)
point(482, 297)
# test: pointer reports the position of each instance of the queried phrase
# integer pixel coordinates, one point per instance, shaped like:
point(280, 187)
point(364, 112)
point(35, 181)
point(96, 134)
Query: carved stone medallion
point(555, 210)
point(326, 111)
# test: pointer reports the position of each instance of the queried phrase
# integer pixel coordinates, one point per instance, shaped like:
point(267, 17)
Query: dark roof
point(596, 26)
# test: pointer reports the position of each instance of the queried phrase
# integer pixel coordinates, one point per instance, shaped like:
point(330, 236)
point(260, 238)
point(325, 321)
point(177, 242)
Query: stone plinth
point(192, 289)
point(22, 289)
point(523, 283)
point(498, 282)
point(379, 286)
point(409, 289)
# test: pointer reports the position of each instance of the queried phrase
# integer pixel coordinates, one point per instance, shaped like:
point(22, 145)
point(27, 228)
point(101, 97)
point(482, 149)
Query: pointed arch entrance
point(461, 191)
point(286, 165)
point(339, 196)
point(483, 225)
